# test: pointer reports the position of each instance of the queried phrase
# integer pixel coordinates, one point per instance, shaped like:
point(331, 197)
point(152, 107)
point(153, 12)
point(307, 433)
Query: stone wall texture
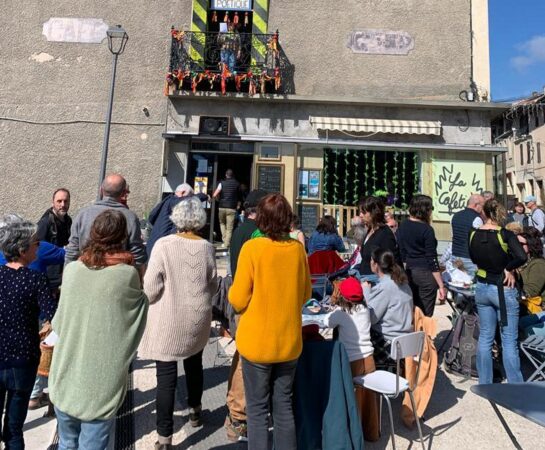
point(48, 88)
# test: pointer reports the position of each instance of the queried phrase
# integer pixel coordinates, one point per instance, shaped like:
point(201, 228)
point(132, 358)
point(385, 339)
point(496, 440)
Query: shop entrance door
point(206, 170)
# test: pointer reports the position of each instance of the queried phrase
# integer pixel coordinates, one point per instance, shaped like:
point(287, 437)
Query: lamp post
point(117, 39)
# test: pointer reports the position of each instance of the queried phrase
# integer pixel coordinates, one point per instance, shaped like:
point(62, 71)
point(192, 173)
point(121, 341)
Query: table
point(524, 399)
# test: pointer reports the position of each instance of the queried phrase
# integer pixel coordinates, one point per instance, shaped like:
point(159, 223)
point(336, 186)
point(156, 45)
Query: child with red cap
point(353, 322)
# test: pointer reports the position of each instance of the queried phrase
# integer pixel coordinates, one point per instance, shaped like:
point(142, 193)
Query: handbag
point(532, 304)
point(46, 351)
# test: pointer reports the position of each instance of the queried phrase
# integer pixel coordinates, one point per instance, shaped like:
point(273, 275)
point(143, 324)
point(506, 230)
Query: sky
point(517, 47)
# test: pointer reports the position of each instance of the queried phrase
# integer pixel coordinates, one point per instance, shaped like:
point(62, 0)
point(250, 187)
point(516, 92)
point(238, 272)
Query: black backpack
point(461, 357)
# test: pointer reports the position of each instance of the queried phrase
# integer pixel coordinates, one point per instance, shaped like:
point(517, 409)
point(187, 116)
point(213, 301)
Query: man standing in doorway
point(462, 224)
point(228, 192)
point(537, 216)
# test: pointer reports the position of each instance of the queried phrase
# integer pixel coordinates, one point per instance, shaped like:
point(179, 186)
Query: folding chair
point(319, 285)
point(390, 385)
point(534, 349)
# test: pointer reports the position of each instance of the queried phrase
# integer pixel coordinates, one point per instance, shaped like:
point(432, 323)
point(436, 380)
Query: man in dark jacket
point(228, 192)
point(159, 217)
point(235, 423)
point(462, 223)
point(54, 227)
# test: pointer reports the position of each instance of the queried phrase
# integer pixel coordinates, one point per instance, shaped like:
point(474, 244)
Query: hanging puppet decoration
point(236, 18)
point(246, 19)
point(214, 17)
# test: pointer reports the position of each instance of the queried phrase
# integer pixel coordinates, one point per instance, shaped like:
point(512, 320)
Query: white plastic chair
point(390, 385)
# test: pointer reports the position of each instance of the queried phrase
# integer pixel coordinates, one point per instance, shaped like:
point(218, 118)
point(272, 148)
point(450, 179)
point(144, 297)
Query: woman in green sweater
point(100, 320)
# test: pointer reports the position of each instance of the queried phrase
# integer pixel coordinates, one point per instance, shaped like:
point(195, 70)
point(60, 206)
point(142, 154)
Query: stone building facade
point(375, 76)
point(522, 130)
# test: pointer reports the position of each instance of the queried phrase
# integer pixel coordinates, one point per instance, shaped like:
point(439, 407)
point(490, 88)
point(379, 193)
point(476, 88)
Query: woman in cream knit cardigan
point(180, 282)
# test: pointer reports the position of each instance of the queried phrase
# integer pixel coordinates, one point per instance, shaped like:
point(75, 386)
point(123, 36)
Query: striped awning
point(376, 125)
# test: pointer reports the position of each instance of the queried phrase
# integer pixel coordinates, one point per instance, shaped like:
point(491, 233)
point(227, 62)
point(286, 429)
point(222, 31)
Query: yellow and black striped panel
point(198, 24)
point(260, 24)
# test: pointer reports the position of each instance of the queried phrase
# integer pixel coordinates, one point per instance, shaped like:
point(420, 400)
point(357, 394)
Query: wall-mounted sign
point(71, 29)
point(453, 184)
point(380, 42)
point(232, 5)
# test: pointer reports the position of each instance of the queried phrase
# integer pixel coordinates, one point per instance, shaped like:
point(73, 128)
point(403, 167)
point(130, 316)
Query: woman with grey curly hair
point(180, 282)
point(24, 293)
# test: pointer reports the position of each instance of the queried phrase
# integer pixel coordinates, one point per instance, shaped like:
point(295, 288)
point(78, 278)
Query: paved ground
point(456, 419)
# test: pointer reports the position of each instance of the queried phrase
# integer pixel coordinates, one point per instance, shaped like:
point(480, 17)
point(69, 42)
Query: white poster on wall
point(453, 184)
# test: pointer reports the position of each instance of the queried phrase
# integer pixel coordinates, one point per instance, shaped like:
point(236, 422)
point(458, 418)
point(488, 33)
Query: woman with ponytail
point(100, 320)
point(497, 253)
point(390, 303)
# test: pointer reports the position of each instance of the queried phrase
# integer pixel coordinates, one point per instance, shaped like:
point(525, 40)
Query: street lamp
point(117, 39)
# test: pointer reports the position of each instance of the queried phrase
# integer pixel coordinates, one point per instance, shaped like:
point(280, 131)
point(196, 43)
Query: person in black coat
point(379, 235)
point(159, 217)
point(418, 247)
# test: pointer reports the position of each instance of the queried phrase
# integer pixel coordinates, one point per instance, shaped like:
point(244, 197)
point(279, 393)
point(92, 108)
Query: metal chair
point(390, 385)
point(534, 349)
point(319, 285)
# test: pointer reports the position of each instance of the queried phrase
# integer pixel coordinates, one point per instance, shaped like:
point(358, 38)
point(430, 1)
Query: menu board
point(309, 215)
point(270, 177)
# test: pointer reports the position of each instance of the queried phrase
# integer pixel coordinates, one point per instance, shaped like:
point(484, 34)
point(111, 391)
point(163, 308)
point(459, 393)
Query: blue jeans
point(39, 385)
point(76, 434)
point(372, 278)
point(488, 307)
point(228, 58)
point(534, 324)
point(15, 388)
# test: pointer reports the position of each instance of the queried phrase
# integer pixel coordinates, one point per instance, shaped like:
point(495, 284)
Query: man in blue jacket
point(159, 217)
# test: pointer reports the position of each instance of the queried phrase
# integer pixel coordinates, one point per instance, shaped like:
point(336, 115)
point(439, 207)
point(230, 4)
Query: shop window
point(350, 174)
point(269, 152)
point(310, 184)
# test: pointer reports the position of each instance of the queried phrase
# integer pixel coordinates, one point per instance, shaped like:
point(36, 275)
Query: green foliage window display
point(350, 174)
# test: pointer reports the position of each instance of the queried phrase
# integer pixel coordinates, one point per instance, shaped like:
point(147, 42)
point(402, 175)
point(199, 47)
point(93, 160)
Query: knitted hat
point(351, 290)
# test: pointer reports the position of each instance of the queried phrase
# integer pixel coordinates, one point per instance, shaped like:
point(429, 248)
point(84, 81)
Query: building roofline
point(355, 101)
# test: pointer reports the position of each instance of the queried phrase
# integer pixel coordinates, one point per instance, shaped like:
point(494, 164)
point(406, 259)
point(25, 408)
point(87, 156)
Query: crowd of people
point(93, 281)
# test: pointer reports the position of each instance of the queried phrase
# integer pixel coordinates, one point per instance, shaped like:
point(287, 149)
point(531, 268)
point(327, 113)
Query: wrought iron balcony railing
point(228, 62)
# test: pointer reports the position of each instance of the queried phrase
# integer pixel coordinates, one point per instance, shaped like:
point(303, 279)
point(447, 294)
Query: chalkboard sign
point(309, 215)
point(270, 177)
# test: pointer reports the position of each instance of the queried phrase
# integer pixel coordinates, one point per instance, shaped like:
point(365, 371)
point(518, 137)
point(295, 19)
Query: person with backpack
point(497, 253)
point(537, 216)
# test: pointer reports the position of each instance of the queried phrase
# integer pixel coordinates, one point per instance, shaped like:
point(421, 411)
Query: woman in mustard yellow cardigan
point(271, 284)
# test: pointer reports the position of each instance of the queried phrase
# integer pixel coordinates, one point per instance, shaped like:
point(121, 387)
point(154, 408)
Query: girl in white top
point(353, 321)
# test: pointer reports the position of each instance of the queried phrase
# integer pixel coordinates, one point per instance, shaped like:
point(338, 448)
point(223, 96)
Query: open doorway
point(206, 170)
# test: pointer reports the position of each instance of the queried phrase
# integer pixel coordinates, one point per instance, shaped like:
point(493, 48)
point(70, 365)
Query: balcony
point(228, 62)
